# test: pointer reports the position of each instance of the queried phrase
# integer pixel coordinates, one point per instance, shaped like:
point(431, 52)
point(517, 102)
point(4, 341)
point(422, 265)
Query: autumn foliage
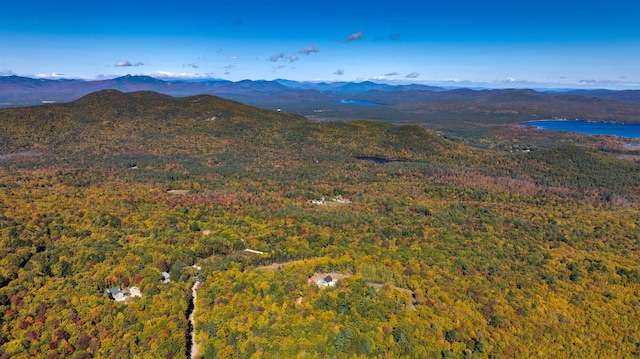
point(448, 250)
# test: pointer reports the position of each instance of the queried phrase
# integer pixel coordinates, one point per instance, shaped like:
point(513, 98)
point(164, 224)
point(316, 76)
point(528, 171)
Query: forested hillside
point(439, 249)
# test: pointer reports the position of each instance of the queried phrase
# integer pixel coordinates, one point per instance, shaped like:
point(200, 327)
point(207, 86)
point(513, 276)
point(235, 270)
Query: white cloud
point(412, 75)
point(276, 57)
point(609, 84)
point(180, 76)
point(391, 76)
point(53, 75)
point(126, 63)
point(513, 83)
point(355, 36)
point(106, 77)
point(309, 49)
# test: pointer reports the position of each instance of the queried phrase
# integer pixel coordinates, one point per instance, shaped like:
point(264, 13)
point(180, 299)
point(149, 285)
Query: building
point(114, 293)
point(166, 277)
point(326, 282)
point(121, 295)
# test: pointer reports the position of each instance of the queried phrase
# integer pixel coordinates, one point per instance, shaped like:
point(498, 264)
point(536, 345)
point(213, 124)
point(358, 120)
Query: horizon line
point(444, 84)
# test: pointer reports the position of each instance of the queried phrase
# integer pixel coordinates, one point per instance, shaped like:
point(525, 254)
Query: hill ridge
point(22, 91)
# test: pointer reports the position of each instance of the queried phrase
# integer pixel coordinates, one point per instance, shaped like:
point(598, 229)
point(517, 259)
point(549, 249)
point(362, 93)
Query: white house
point(166, 277)
point(320, 202)
point(120, 295)
point(326, 282)
point(114, 293)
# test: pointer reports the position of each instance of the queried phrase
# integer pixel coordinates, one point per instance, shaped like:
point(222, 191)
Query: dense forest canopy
point(440, 249)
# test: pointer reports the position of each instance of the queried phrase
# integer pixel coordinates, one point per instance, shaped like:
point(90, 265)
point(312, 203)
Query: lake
point(589, 128)
point(355, 102)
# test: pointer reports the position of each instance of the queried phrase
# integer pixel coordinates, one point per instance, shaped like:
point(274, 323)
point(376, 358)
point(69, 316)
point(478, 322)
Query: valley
point(500, 253)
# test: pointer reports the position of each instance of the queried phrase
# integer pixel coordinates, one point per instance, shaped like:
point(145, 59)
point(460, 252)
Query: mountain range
point(16, 91)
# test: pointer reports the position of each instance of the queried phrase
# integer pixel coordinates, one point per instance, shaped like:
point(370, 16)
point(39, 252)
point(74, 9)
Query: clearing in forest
point(335, 276)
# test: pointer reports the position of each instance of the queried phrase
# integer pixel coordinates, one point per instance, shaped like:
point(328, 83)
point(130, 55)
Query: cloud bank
point(168, 75)
point(52, 76)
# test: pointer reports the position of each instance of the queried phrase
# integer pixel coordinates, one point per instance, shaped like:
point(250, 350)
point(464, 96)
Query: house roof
point(328, 279)
point(113, 291)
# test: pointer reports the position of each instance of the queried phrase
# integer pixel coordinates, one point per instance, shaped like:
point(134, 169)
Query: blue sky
point(466, 43)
